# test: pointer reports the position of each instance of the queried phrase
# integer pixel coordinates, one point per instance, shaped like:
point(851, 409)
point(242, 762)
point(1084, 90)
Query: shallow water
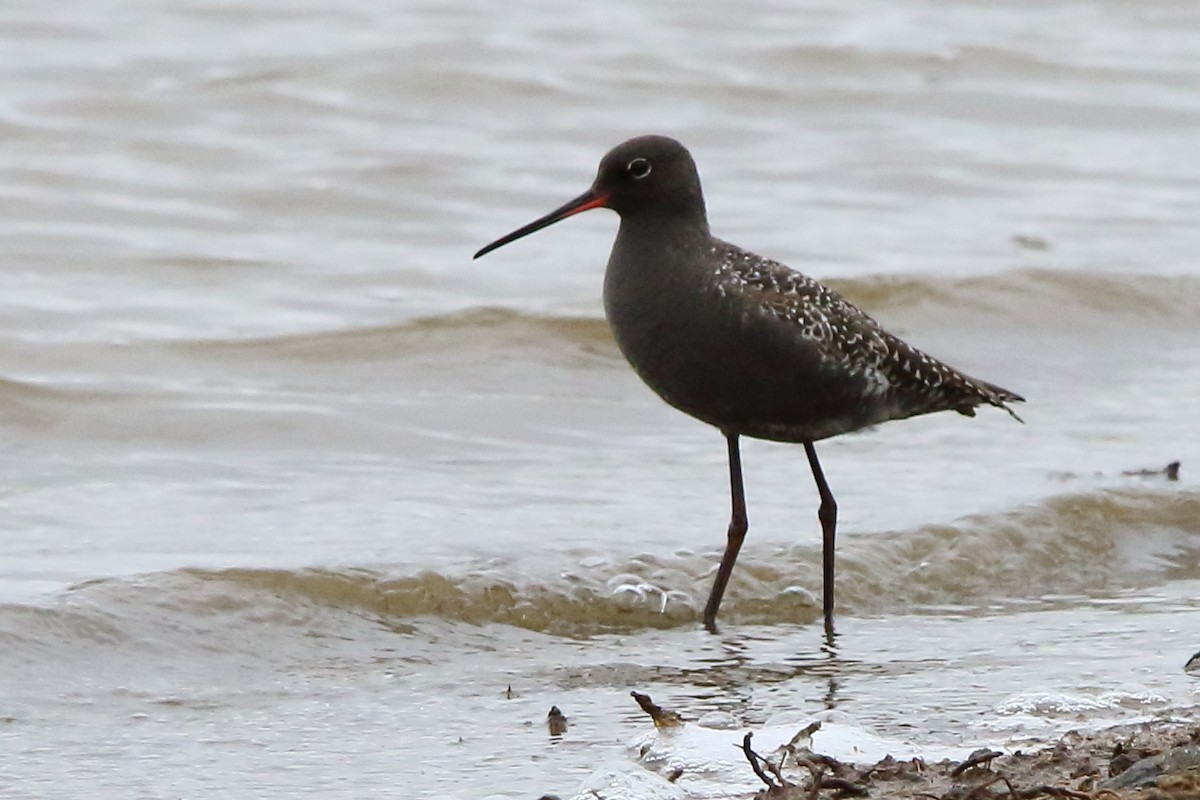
point(292, 491)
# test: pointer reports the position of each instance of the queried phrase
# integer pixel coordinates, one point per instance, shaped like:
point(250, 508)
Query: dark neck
point(656, 258)
point(664, 228)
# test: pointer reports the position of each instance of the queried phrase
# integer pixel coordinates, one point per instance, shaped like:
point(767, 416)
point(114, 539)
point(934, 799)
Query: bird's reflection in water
point(739, 676)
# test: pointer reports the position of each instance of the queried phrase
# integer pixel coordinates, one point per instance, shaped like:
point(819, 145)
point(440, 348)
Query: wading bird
point(744, 343)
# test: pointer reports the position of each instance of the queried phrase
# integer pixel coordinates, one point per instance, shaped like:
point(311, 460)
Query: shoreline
point(1155, 759)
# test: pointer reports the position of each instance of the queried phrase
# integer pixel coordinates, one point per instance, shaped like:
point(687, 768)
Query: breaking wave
point(1089, 545)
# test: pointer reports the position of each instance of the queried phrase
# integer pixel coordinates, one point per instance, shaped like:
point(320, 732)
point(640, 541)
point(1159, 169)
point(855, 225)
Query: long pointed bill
point(589, 199)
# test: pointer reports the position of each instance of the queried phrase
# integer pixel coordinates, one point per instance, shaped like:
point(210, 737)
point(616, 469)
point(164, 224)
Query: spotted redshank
point(744, 343)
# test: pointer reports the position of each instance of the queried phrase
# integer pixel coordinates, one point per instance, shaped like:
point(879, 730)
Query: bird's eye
point(638, 168)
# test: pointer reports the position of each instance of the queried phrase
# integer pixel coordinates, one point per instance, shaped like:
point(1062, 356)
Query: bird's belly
point(753, 386)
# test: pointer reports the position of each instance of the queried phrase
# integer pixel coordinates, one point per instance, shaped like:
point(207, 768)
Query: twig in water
point(754, 758)
point(982, 756)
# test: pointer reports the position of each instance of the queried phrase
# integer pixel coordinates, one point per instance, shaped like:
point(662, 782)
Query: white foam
point(711, 762)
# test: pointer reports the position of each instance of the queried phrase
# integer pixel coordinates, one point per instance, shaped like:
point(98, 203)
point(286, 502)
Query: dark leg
point(737, 533)
point(828, 516)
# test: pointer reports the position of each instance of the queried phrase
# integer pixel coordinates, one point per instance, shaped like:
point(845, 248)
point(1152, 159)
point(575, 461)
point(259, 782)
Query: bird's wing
point(845, 337)
point(848, 339)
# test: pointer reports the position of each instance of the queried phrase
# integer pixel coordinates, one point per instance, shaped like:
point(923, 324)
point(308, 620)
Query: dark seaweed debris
point(1156, 760)
point(1152, 761)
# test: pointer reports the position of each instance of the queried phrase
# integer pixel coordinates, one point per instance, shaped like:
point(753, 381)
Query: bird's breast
point(706, 349)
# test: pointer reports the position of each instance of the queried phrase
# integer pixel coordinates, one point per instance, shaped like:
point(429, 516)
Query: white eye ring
point(638, 168)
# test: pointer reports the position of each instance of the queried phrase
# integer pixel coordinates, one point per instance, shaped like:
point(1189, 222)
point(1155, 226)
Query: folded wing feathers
point(851, 340)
